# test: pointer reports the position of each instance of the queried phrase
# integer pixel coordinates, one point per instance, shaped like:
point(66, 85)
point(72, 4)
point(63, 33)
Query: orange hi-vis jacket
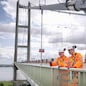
point(54, 63)
point(76, 60)
point(60, 61)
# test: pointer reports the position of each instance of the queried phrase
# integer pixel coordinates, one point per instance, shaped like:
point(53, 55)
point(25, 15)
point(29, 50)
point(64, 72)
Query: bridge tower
point(17, 46)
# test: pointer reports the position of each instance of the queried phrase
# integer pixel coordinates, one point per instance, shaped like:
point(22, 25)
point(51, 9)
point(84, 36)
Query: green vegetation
point(6, 84)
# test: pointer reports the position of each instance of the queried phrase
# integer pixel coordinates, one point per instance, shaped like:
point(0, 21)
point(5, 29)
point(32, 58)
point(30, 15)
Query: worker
point(75, 60)
point(61, 60)
point(53, 62)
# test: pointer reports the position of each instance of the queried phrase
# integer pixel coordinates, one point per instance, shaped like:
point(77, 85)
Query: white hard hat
point(62, 50)
point(70, 47)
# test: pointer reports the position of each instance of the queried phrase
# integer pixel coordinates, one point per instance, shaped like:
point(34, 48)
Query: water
point(6, 74)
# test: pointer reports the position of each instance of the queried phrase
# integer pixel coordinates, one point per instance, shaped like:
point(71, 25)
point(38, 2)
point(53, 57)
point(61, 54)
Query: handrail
point(44, 75)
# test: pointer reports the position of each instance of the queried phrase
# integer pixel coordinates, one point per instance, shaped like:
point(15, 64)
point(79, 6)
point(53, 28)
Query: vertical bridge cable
point(41, 30)
point(39, 2)
point(41, 50)
point(42, 3)
point(41, 33)
point(45, 2)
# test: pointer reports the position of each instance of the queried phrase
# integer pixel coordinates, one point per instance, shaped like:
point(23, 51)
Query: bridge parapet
point(44, 75)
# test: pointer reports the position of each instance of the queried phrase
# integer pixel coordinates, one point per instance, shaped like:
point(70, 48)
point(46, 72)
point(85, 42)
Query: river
point(6, 74)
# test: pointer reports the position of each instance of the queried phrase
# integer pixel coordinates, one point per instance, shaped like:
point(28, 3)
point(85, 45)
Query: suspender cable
point(29, 27)
point(41, 32)
point(42, 3)
point(39, 2)
point(45, 2)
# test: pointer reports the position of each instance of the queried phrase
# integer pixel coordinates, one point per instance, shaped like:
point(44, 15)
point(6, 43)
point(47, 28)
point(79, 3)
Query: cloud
point(58, 29)
point(36, 2)
point(81, 20)
point(10, 7)
point(56, 38)
point(35, 32)
point(71, 33)
point(81, 46)
point(10, 28)
point(6, 52)
point(77, 35)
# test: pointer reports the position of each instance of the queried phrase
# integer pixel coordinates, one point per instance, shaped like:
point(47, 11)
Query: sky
point(59, 30)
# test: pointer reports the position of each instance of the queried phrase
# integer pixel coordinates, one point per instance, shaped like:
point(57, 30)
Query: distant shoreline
point(5, 65)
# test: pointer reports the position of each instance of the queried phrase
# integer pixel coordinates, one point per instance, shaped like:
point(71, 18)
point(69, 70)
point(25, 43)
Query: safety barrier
point(44, 75)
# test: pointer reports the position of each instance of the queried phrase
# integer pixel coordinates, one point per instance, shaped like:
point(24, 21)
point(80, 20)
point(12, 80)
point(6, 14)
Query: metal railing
point(44, 75)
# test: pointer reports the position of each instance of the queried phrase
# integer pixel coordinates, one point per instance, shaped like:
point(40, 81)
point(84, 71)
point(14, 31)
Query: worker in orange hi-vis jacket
point(53, 62)
point(61, 60)
point(76, 59)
